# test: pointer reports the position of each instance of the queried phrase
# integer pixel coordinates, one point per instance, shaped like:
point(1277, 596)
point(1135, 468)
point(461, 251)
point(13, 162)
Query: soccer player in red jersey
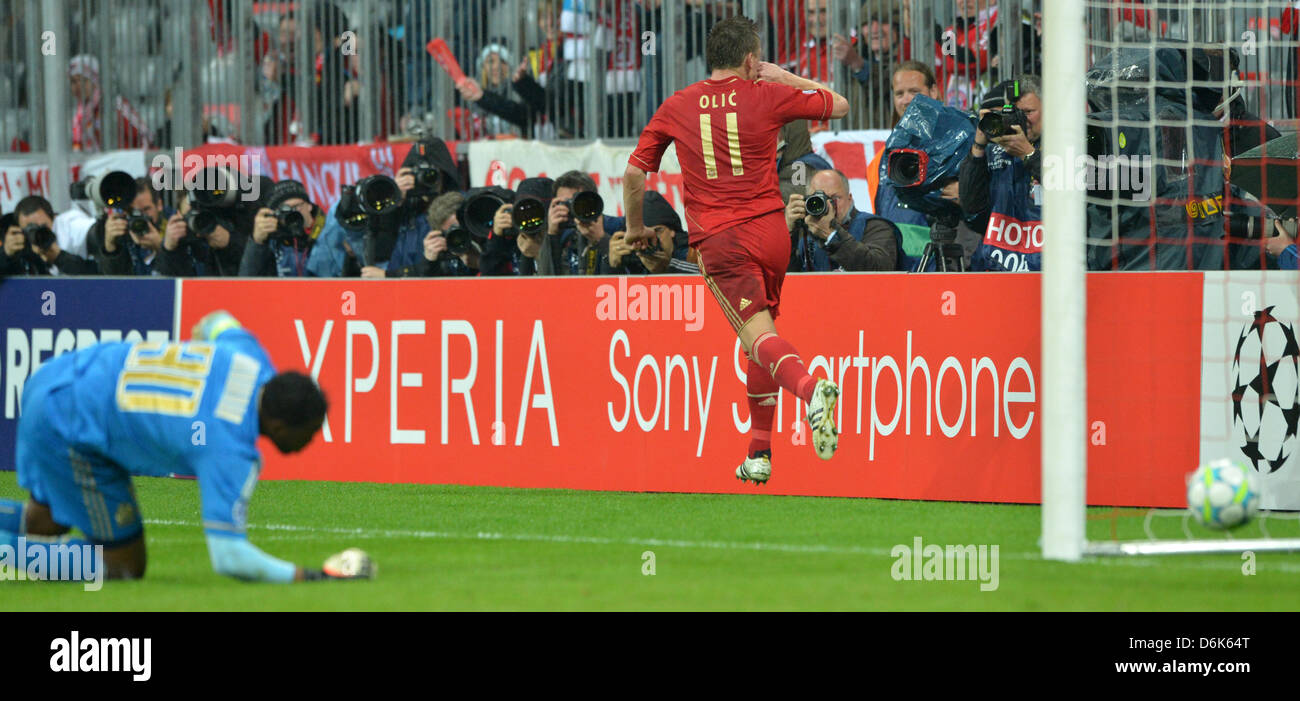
point(726, 130)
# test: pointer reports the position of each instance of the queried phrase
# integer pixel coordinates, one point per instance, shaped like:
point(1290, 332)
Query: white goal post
point(1064, 296)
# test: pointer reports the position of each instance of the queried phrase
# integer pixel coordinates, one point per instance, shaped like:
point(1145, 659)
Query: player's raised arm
point(633, 197)
point(773, 73)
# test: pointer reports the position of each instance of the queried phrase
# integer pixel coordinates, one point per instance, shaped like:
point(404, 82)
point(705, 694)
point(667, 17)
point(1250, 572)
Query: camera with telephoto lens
point(907, 167)
point(27, 257)
point(817, 204)
point(1000, 121)
point(428, 178)
point(480, 209)
point(585, 206)
point(199, 222)
point(38, 235)
point(112, 194)
point(215, 200)
point(137, 223)
point(289, 224)
point(458, 241)
point(923, 154)
point(925, 151)
point(112, 190)
point(361, 203)
point(529, 216)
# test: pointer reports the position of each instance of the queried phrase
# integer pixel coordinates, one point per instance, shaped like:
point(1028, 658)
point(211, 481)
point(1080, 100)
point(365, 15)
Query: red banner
point(636, 384)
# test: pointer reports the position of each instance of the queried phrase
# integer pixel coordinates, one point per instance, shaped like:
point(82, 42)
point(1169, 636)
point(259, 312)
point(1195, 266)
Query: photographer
point(841, 237)
point(1000, 180)
point(35, 217)
point(207, 237)
point(283, 233)
point(922, 159)
point(127, 241)
point(656, 257)
point(16, 256)
point(393, 241)
point(448, 250)
point(338, 251)
point(426, 173)
point(911, 78)
point(576, 242)
point(514, 250)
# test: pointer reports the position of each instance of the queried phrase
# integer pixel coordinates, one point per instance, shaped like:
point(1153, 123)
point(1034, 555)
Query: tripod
point(948, 256)
point(943, 249)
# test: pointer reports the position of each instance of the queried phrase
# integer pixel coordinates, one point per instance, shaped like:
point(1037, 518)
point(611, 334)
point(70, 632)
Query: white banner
point(29, 174)
point(1250, 378)
point(850, 152)
point(506, 163)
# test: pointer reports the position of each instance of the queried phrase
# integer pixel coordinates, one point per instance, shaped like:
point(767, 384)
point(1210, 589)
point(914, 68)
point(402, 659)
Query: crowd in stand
point(620, 50)
point(995, 198)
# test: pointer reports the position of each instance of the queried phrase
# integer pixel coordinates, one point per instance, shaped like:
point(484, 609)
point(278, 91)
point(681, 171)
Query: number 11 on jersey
point(733, 145)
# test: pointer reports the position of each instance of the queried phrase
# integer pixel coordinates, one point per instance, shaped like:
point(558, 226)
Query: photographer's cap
point(656, 211)
point(1004, 93)
point(541, 188)
point(285, 190)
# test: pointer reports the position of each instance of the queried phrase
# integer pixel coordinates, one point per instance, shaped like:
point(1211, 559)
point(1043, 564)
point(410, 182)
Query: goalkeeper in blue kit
point(94, 418)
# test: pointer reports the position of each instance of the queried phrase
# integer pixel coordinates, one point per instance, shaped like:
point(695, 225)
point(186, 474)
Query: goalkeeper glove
point(352, 563)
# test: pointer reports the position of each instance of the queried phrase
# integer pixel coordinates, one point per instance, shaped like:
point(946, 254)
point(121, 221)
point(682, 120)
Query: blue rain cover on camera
point(946, 133)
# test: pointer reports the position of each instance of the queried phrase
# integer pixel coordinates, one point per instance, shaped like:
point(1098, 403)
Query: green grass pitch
point(481, 548)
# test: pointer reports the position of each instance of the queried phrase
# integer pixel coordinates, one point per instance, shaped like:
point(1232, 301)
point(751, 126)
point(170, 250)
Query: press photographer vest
point(1013, 239)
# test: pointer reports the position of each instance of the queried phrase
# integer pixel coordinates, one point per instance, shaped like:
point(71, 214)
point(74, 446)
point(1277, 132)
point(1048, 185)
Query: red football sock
point(762, 391)
point(782, 361)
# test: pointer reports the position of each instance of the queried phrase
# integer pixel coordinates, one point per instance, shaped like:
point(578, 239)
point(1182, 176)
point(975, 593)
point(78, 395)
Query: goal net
point(1186, 111)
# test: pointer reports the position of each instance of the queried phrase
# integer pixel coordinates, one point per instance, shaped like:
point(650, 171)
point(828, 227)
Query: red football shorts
point(745, 266)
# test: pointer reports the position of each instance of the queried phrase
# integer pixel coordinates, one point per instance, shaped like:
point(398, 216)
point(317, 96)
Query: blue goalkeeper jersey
point(171, 408)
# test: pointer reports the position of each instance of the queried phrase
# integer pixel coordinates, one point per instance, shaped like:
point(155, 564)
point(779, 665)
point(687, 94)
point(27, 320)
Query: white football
point(1223, 494)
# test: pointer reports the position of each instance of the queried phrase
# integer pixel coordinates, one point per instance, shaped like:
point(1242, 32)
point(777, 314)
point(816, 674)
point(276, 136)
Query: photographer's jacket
point(25, 263)
point(127, 257)
point(1007, 191)
point(571, 253)
point(276, 259)
point(200, 260)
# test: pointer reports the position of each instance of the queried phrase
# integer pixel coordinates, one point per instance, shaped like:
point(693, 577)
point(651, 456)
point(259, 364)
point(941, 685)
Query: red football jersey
point(726, 132)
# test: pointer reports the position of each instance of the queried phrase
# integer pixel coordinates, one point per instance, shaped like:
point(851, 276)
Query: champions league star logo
point(1266, 390)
